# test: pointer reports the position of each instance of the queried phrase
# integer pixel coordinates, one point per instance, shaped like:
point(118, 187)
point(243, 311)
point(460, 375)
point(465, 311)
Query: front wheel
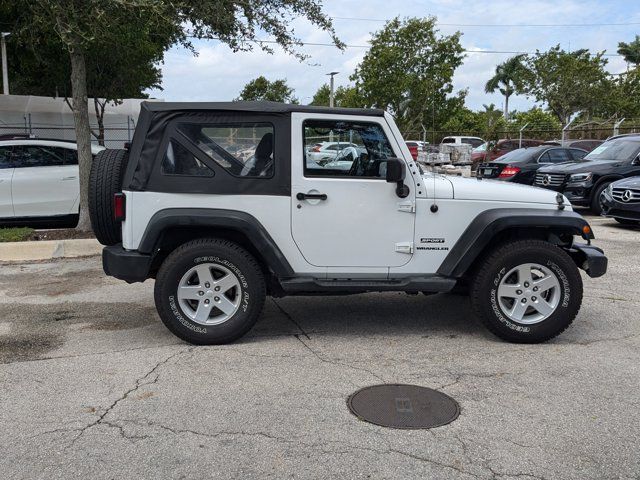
point(596, 204)
point(527, 291)
point(209, 291)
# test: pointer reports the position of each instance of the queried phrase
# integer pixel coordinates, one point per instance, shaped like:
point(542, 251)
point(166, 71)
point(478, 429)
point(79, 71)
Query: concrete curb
point(47, 249)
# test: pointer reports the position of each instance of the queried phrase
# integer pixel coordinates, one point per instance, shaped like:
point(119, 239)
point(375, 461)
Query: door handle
point(69, 178)
point(311, 196)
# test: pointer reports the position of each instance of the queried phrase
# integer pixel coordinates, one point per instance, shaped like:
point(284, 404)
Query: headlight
point(580, 177)
point(610, 189)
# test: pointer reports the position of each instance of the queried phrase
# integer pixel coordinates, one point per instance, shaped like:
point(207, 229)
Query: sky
point(218, 74)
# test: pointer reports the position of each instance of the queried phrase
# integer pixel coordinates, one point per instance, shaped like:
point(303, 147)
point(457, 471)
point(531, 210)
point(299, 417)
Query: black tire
point(624, 221)
point(226, 255)
point(105, 180)
point(498, 264)
point(596, 206)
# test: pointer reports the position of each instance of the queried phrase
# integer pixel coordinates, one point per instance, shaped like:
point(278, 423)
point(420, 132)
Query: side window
point(362, 149)
point(6, 157)
point(558, 155)
point(70, 156)
point(242, 149)
point(578, 154)
point(38, 156)
point(180, 161)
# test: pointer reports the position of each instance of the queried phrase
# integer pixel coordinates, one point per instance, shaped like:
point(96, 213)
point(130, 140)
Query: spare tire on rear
point(105, 180)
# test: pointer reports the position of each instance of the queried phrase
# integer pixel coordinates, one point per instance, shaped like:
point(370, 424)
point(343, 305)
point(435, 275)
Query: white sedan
point(39, 182)
point(326, 151)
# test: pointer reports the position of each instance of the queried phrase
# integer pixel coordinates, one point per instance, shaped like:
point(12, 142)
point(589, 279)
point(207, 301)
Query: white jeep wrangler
point(222, 204)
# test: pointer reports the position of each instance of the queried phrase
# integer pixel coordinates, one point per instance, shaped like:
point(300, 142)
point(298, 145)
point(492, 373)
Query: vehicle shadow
point(373, 314)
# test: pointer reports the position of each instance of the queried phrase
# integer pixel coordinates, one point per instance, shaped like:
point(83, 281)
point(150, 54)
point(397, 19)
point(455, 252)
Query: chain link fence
point(595, 131)
point(114, 136)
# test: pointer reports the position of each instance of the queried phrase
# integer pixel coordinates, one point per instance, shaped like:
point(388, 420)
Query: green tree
point(262, 89)
point(567, 82)
point(408, 71)
point(623, 98)
point(508, 79)
point(346, 97)
point(82, 25)
point(539, 123)
point(630, 51)
point(110, 78)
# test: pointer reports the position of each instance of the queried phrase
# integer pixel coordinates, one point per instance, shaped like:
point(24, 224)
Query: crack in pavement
point(81, 355)
point(497, 474)
point(297, 441)
point(138, 384)
point(303, 333)
point(335, 362)
point(291, 319)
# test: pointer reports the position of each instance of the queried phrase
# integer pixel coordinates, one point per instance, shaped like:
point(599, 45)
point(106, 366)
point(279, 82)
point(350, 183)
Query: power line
point(492, 25)
point(328, 44)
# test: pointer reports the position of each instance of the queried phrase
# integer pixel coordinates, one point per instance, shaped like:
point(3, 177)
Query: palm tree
point(508, 79)
point(630, 51)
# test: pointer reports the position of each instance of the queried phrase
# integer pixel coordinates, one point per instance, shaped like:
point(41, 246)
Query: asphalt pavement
point(92, 385)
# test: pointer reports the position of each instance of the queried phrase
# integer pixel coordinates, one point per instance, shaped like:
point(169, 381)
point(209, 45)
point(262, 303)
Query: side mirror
point(636, 161)
point(396, 172)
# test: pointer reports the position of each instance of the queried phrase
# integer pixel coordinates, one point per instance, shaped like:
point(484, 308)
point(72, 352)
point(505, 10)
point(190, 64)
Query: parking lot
point(93, 385)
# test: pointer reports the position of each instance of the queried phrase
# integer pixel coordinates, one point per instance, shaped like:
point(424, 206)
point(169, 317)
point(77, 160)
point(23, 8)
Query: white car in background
point(475, 142)
point(39, 183)
point(327, 151)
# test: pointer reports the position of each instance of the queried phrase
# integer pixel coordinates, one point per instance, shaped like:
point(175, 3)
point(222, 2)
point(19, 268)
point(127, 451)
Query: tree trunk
point(83, 132)
point(506, 107)
point(99, 107)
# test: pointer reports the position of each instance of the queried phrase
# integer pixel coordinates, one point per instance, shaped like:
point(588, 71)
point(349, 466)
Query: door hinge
point(409, 207)
point(404, 247)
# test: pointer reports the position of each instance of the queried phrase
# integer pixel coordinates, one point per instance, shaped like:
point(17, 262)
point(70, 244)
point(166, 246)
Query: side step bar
point(435, 284)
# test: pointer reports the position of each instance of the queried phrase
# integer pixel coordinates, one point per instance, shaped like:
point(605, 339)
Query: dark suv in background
point(583, 182)
point(520, 166)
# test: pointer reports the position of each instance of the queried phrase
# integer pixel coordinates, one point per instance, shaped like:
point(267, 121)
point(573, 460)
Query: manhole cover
point(403, 406)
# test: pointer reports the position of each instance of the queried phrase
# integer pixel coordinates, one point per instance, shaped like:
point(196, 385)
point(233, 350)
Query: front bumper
point(613, 209)
point(589, 258)
point(578, 193)
point(127, 265)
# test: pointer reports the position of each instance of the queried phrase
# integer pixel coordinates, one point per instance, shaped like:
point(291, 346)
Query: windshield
point(481, 148)
point(619, 150)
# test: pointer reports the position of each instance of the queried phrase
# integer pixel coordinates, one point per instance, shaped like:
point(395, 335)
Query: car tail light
point(509, 171)
point(414, 152)
point(119, 210)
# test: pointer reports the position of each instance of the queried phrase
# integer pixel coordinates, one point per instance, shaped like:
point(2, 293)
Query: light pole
point(331, 93)
point(5, 72)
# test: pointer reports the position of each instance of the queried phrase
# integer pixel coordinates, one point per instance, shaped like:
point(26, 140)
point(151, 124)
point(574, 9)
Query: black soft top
point(255, 107)
point(156, 124)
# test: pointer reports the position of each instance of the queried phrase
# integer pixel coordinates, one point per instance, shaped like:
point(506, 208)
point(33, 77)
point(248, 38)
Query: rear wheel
point(209, 291)
point(527, 291)
point(105, 180)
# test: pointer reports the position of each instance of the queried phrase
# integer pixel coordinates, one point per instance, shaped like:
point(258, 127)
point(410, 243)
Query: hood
point(580, 167)
point(631, 182)
point(497, 191)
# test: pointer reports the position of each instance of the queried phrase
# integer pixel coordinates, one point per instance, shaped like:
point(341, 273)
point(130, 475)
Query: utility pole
point(5, 71)
point(331, 91)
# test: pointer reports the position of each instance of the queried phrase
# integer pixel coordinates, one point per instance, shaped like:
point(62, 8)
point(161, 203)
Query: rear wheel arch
point(169, 229)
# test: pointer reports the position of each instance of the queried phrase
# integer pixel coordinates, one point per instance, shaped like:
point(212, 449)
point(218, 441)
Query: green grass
point(16, 234)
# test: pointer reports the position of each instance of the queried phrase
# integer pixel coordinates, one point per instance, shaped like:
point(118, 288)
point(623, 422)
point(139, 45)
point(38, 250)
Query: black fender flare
point(491, 222)
point(225, 219)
